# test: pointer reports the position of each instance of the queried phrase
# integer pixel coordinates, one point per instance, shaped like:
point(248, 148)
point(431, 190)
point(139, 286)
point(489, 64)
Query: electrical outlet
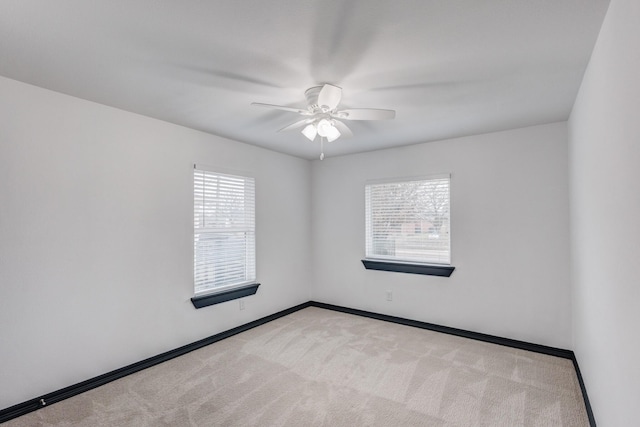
point(389, 296)
point(241, 304)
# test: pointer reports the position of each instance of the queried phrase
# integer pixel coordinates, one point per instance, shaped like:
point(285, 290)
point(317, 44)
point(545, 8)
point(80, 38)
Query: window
point(408, 221)
point(224, 231)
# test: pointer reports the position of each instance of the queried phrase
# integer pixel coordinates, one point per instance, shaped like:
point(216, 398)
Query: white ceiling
point(448, 68)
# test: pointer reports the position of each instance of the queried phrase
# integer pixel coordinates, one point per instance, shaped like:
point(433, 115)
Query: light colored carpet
point(318, 367)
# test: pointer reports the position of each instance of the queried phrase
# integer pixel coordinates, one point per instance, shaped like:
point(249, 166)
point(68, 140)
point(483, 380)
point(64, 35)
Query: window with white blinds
point(224, 230)
point(409, 221)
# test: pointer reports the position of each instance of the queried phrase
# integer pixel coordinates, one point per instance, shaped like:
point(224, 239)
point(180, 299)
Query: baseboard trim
point(551, 351)
point(522, 345)
point(587, 404)
point(73, 390)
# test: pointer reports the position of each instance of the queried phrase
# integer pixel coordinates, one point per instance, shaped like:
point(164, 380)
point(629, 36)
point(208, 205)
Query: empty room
point(331, 213)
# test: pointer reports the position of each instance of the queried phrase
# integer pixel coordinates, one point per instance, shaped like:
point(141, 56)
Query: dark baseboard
point(587, 404)
point(552, 351)
point(67, 392)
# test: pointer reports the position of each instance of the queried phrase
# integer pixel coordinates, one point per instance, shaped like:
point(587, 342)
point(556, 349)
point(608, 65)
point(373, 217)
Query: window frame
point(236, 289)
point(395, 264)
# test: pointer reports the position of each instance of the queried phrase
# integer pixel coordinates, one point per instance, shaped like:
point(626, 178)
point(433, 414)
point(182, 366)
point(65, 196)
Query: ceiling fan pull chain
point(322, 148)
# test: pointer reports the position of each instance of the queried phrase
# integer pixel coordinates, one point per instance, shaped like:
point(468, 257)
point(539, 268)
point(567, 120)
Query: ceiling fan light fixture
point(310, 132)
point(328, 130)
point(324, 127)
point(333, 134)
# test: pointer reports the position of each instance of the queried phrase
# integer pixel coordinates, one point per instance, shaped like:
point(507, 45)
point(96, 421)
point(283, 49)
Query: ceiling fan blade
point(329, 96)
point(344, 129)
point(366, 114)
point(295, 125)
point(280, 107)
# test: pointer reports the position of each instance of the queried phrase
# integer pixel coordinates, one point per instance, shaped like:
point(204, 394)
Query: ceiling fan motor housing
point(312, 97)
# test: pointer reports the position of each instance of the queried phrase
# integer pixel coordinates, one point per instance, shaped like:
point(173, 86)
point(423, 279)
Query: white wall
point(510, 240)
point(96, 238)
point(604, 159)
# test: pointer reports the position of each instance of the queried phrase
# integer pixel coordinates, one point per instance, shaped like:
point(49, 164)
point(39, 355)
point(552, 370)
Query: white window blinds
point(408, 221)
point(224, 230)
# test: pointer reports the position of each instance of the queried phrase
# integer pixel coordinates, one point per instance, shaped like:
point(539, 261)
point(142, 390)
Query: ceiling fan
point(322, 116)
